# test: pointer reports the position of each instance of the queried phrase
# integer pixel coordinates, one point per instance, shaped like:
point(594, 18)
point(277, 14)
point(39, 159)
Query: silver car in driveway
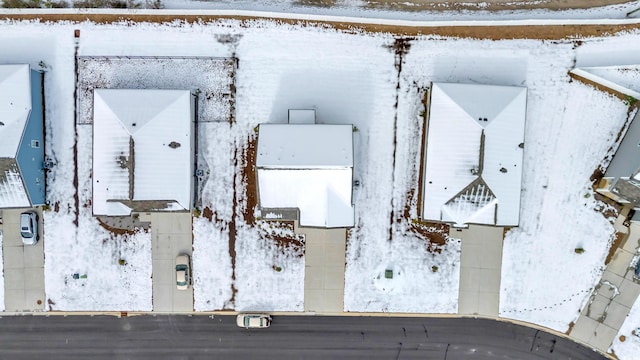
point(183, 272)
point(29, 227)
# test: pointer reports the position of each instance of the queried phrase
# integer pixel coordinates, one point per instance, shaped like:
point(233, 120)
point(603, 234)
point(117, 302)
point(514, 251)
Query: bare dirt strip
point(492, 32)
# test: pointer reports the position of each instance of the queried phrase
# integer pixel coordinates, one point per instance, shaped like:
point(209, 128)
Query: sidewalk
point(612, 298)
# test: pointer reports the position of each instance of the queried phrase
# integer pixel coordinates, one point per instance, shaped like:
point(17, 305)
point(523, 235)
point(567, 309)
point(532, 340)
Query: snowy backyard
point(377, 82)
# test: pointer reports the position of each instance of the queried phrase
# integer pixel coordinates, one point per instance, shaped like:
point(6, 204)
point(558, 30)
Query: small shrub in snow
point(21, 4)
point(154, 4)
point(50, 4)
point(630, 100)
point(579, 250)
point(434, 268)
point(113, 4)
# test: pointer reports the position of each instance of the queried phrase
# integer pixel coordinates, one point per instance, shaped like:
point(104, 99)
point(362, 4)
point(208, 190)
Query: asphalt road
point(290, 337)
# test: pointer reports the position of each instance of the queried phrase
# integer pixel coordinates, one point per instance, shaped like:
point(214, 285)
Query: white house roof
point(303, 145)
point(473, 156)
point(621, 78)
point(15, 105)
point(308, 167)
point(144, 134)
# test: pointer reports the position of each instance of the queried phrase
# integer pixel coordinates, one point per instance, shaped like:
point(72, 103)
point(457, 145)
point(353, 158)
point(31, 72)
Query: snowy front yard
point(349, 78)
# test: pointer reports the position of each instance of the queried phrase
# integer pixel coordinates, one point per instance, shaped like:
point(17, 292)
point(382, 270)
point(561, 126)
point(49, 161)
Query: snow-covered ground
point(349, 78)
point(543, 279)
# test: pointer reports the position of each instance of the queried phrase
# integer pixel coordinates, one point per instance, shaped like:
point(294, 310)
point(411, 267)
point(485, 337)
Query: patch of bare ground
point(207, 213)
point(505, 230)
point(287, 241)
point(249, 180)
point(232, 232)
point(115, 230)
point(50, 304)
point(76, 198)
point(543, 32)
point(400, 47)
point(612, 210)
point(617, 243)
point(436, 235)
point(423, 142)
point(596, 176)
point(571, 325)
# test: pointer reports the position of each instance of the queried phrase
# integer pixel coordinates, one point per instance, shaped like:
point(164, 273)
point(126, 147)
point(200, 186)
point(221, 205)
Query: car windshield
point(26, 234)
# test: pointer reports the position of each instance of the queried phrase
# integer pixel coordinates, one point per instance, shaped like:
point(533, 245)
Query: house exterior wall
point(30, 155)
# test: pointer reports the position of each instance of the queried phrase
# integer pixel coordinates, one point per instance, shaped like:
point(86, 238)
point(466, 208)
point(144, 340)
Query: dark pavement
point(290, 337)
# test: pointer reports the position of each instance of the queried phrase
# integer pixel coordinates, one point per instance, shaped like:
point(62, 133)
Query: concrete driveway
point(480, 269)
point(23, 266)
point(171, 235)
point(324, 269)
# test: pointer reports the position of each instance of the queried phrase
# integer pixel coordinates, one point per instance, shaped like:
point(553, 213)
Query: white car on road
point(249, 321)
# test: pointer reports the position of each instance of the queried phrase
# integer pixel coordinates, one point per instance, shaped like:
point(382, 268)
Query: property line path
point(324, 269)
point(612, 297)
point(480, 269)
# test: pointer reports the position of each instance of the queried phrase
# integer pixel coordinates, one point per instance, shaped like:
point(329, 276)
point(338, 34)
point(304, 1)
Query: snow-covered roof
point(473, 154)
point(624, 79)
point(305, 145)
point(15, 106)
point(308, 167)
point(142, 149)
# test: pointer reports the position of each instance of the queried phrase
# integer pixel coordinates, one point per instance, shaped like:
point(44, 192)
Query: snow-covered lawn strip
point(94, 269)
point(75, 248)
point(269, 277)
point(544, 280)
point(212, 283)
point(70, 249)
point(387, 159)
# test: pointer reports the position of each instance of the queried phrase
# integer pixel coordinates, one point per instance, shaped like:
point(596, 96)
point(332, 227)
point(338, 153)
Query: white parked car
point(29, 228)
point(183, 272)
point(250, 321)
